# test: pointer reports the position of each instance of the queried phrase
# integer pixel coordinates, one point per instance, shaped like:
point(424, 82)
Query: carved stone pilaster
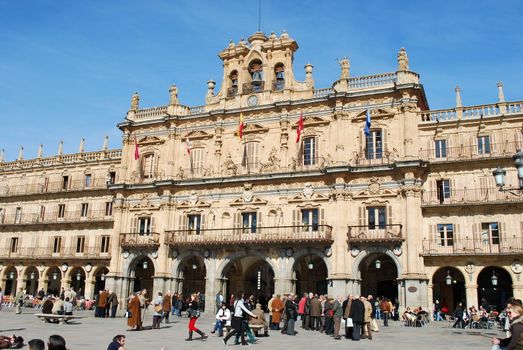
point(412, 190)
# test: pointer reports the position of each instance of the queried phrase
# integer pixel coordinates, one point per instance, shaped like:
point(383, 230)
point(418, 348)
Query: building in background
point(275, 186)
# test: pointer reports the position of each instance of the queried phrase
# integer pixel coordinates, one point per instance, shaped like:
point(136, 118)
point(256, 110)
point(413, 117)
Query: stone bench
point(254, 327)
point(51, 318)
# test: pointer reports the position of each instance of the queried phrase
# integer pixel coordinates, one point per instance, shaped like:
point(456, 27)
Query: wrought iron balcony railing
point(252, 235)
point(473, 246)
point(392, 233)
point(140, 240)
point(55, 217)
point(468, 196)
point(470, 152)
point(72, 252)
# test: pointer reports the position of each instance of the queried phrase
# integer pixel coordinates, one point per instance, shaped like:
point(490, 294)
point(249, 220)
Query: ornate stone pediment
point(150, 140)
point(190, 204)
point(253, 201)
point(375, 189)
point(143, 202)
point(197, 135)
point(375, 114)
point(311, 121)
point(254, 129)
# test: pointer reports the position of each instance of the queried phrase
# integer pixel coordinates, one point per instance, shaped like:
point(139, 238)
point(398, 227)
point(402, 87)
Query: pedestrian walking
point(194, 314)
point(237, 324)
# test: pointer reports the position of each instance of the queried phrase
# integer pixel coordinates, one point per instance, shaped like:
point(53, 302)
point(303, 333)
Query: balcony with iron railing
point(260, 235)
point(371, 234)
point(71, 252)
point(53, 187)
point(470, 152)
point(475, 196)
point(473, 246)
point(140, 240)
point(69, 217)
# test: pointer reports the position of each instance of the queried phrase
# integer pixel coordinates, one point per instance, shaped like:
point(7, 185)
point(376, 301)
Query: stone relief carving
point(247, 192)
point(273, 162)
point(228, 167)
point(308, 190)
point(193, 198)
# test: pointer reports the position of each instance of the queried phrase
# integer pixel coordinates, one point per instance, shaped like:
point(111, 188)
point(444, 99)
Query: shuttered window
point(194, 223)
point(374, 145)
point(445, 234)
point(249, 222)
point(376, 216)
point(197, 160)
point(440, 148)
point(309, 150)
point(490, 233)
point(310, 219)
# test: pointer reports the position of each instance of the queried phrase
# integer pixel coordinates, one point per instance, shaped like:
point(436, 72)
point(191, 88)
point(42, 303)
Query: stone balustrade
point(69, 252)
point(361, 234)
point(55, 217)
point(465, 196)
point(472, 112)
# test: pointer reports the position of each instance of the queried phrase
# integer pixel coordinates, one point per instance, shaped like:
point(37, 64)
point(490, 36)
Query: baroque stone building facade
point(377, 195)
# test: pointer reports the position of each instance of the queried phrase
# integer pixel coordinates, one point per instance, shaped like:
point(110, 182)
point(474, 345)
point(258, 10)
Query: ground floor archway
point(495, 286)
point(311, 275)
point(11, 281)
point(143, 277)
point(54, 276)
point(250, 275)
point(448, 287)
point(31, 280)
point(379, 276)
point(192, 274)
point(78, 280)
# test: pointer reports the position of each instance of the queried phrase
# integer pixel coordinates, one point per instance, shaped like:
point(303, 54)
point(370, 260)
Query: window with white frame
point(310, 219)
point(440, 148)
point(14, 245)
point(104, 246)
point(80, 244)
point(310, 150)
point(194, 222)
point(85, 209)
point(376, 218)
point(445, 235)
point(87, 180)
point(108, 208)
point(490, 233)
point(144, 225)
point(374, 145)
point(249, 222)
point(57, 244)
point(443, 190)
point(18, 215)
point(484, 144)
point(61, 210)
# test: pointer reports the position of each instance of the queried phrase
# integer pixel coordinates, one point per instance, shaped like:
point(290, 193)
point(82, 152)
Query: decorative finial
point(61, 148)
point(21, 153)
point(458, 97)
point(308, 75)
point(135, 102)
point(173, 92)
point(231, 44)
point(40, 151)
point(2, 153)
point(105, 146)
point(210, 87)
point(403, 60)
point(501, 95)
point(81, 148)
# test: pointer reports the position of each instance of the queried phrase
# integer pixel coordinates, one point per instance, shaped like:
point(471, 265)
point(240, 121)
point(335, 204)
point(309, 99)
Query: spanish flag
point(299, 129)
point(240, 127)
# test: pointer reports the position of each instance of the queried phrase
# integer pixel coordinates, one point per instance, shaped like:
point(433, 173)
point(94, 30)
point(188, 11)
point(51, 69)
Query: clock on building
point(252, 100)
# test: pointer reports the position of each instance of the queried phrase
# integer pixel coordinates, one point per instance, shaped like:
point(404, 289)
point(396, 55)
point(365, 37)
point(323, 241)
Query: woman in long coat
point(135, 321)
point(277, 309)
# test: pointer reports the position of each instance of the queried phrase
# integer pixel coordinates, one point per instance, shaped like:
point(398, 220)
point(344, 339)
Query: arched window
point(279, 73)
point(256, 71)
point(233, 84)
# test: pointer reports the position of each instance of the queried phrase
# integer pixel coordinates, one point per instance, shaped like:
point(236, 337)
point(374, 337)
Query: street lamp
point(448, 279)
point(310, 265)
point(78, 276)
point(102, 277)
point(55, 275)
point(377, 263)
point(494, 279)
point(12, 275)
point(500, 173)
point(145, 264)
point(194, 266)
point(32, 275)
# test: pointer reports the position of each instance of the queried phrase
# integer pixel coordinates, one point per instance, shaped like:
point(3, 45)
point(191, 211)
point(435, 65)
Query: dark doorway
point(495, 286)
point(311, 275)
point(379, 276)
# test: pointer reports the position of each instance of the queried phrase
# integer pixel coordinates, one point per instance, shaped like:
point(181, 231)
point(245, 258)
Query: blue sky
point(68, 68)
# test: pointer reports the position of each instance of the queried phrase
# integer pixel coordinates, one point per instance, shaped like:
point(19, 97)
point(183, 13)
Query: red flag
point(299, 130)
point(188, 146)
point(136, 150)
point(240, 127)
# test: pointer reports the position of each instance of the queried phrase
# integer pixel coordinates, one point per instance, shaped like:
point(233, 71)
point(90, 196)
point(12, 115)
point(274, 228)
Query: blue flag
point(367, 123)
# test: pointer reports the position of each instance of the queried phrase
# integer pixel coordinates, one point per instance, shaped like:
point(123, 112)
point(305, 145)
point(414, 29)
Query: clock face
point(252, 100)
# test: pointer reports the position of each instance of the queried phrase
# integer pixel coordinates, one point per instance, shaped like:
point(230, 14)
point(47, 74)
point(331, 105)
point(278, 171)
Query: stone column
point(430, 298)
point(471, 293)
point(517, 289)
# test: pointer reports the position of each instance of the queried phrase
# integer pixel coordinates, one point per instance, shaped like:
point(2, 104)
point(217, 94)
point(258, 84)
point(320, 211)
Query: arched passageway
point(379, 276)
point(250, 275)
point(311, 275)
point(495, 286)
point(448, 287)
point(192, 274)
point(54, 276)
point(31, 280)
point(143, 277)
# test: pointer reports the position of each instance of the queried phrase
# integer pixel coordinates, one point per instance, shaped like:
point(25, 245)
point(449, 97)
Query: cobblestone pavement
point(94, 333)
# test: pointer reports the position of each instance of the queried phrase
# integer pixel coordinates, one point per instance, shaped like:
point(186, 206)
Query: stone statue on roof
point(345, 67)
point(173, 92)
point(135, 102)
point(403, 60)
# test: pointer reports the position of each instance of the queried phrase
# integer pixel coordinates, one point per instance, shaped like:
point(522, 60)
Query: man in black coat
point(357, 313)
